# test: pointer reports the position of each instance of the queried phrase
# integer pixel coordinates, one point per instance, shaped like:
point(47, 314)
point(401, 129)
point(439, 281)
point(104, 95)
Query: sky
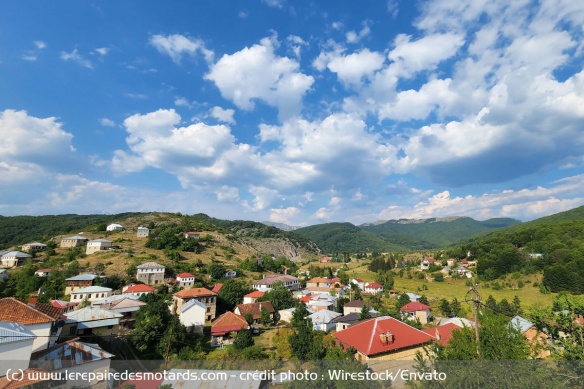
point(296, 112)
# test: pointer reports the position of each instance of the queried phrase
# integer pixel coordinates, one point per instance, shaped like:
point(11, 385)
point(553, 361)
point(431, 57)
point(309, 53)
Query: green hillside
point(346, 237)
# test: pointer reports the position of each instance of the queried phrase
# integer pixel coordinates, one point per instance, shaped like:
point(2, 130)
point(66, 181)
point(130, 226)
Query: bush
point(438, 277)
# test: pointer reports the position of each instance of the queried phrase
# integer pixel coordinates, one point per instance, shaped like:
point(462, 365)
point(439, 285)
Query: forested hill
point(398, 235)
point(22, 229)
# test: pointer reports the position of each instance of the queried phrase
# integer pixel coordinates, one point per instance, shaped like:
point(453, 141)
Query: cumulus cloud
point(284, 215)
point(353, 68)
point(77, 58)
point(257, 73)
point(223, 115)
point(176, 45)
point(107, 122)
point(355, 37)
point(40, 44)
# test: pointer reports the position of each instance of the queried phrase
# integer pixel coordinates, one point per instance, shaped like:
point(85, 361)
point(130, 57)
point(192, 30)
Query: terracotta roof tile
point(255, 294)
point(140, 288)
point(15, 310)
point(255, 308)
point(414, 306)
point(442, 333)
point(228, 322)
point(195, 292)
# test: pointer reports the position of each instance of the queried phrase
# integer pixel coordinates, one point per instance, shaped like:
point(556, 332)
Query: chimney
point(386, 338)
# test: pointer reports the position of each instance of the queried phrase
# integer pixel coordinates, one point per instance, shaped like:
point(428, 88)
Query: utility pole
point(168, 347)
point(476, 300)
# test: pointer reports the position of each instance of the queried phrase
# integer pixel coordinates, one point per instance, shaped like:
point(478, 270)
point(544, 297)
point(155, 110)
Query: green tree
point(265, 318)
point(216, 270)
point(364, 315)
point(243, 339)
point(402, 300)
point(445, 308)
point(423, 300)
point(517, 306)
point(249, 318)
point(385, 278)
point(151, 321)
point(279, 296)
point(299, 316)
point(455, 307)
point(231, 294)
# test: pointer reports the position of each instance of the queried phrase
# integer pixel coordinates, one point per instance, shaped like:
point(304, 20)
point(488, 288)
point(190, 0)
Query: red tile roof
point(17, 311)
point(373, 285)
point(255, 294)
point(141, 288)
point(217, 288)
point(185, 275)
point(255, 309)
point(443, 333)
point(430, 259)
point(305, 299)
point(228, 322)
point(464, 261)
point(195, 292)
point(366, 336)
point(414, 306)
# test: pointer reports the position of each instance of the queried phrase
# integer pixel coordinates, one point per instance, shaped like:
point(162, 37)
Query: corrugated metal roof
point(98, 323)
point(190, 304)
point(149, 265)
point(91, 313)
point(17, 254)
point(521, 324)
point(14, 332)
point(93, 289)
point(82, 277)
point(68, 354)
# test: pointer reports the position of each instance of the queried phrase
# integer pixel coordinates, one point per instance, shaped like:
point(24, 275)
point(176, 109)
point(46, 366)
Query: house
point(321, 320)
point(450, 262)
point(229, 273)
point(265, 284)
point(80, 360)
point(217, 288)
point(464, 262)
point(207, 297)
point(142, 232)
point(345, 321)
point(14, 258)
point(322, 301)
point(191, 234)
point(446, 270)
point(4, 275)
point(150, 273)
point(252, 297)
point(383, 338)
point(373, 288)
point(98, 245)
point(224, 326)
point(460, 322)
point(137, 290)
point(413, 296)
point(40, 319)
point(127, 306)
point(358, 282)
point(426, 262)
point(114, 227)
point(192, 314)
point(536, 339)
point(92, 321)
point(415, 310)
point(255, 309)
point(91, 293)
point(43, 272)
point(73, 241)
point(15, 346)
point(64, 306)
point(355, 306)
point(326, 259)
point(319, 282)
point(185, 280)
point(34, 246)
point(79, 282)
point(443, 333)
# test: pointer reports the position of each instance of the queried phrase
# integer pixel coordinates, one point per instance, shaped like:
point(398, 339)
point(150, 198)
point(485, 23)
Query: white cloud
point(355, 37)
point(322, 214)
point(183, 102)
point(40, 44)
point(227, 193)
point(263, 198)
point(29, 57)
point(103, 50)
point(284, 215)
point(176, 45)
point(107, 122)
point(352, 68)
point(256, 73)
point(223, 115)
point(77, 58)
point(275, 3)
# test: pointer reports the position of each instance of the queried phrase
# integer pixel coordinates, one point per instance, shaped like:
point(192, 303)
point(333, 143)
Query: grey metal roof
point(101, 240)
point(68, 354)
point(149, 265)
point(82, 277)
point(76, 237)
point(17, 254)
point(324, 316)
point(521, 324)
point(190, 304)
point(90, 314)
point(14, 332)
point(93, 289)
point(98, 323)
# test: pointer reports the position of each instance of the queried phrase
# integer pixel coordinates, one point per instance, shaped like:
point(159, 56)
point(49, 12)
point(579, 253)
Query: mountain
point(281, 226)
point(398, 235)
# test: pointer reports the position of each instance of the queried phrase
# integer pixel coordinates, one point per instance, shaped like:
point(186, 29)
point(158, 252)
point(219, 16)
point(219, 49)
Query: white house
point(98, 245)
point(15, 346)
point(73, 241)
point(265, 284)
point(43, 272)
point(415, 310)
point(114, 227)
point(373, 288)
point(137, 290)
point(321, 320)
point(142, 232)
point(35, 246)
point(358, 282)
point(191, 234)
point(91, 293)
point(252, 297)
point(14, 258)
point(229, 273)
point(185, 280)
point(150, 273)
point(192, 314)
point(40, 319)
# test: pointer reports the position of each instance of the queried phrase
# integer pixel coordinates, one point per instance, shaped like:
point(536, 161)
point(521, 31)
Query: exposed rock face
point(281, 248)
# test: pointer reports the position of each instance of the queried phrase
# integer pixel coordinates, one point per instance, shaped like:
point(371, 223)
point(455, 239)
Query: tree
point(249, 318)
point(364, 315)
point(151, 321)
point(265, 318)
point(491, 303)
point(423, 300)
point(231, 294)
point(279, 296)
point(385, 278)
point(402, 300)
point(244, 339)
point(517, 306)
point(455, 306)
point(216, 270)
point(445, 307)
point(299, 316)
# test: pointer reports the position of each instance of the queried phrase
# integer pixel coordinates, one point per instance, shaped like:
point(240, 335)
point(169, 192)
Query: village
point(60, 334)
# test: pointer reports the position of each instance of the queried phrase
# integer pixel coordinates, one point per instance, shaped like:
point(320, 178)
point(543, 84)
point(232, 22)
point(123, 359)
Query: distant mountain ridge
point(282, 226)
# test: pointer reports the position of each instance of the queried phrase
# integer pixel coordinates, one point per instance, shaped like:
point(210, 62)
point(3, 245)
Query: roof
point(320, 279)
point(14, 332)
point(143, 228)
point(460, 322)
point(365, 336)
point(521, 324)
point(255, 308)
point(101, 240)
point(430, 259)
point(228, 322)
point(255, 294)
point(184, 275)
point(194, 302)
point(122, 304)
point(149, 265)
point(194, 292)
point(93, 289)
point(413, 296)
point(21, 379)
point(140, 288)
point(43, 271)
point(217, 288)
point(115, 225)
point(442, 333)
point(82, 277)
point(414, 306)
point(76, 237)
point(464, 261)
point(373, 285)
point(90, 314)
point(269, 279)
point(351, 318)
point(114, 298)
point(356, 304)
point(68, 354)
point(324, 316)
point(34, 244)
point(17, 311)
point(17, 254)
point(61, 304)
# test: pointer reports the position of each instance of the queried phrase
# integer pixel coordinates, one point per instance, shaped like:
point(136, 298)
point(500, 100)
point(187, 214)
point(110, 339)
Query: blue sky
point(292, 111)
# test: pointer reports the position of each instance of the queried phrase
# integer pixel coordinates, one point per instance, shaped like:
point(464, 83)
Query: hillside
point(398, 235)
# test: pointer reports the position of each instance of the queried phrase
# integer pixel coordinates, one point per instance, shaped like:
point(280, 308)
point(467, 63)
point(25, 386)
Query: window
point(72, 330)
point(208, 309)
point(110, 327)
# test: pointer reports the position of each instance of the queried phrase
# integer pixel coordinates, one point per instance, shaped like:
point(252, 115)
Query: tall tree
point(455, 306)
point(365, 314)
point(445, 307)
point(279, 296)
point(243, 339)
